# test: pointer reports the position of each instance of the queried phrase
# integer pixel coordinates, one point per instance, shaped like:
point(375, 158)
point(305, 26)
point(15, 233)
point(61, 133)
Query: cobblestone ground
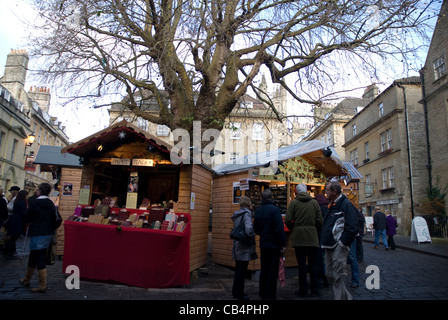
point(403, 275)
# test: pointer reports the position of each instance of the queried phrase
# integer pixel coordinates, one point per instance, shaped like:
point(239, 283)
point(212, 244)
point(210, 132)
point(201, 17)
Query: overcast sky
point(81, 121)
point(13, 32)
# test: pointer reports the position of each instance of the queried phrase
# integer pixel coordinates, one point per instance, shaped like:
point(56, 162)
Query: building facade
point(387, 143)
point(435, 102)
point(25, 114)
point(251, 127)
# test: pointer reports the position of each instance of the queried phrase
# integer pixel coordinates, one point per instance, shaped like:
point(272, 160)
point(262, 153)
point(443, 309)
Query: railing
point(437, 226)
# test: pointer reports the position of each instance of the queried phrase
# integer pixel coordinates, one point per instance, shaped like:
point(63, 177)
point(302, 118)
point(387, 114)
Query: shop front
point(311, 162)
point(137, 214)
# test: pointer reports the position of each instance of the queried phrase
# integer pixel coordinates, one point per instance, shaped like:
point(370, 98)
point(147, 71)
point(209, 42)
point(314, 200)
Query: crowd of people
point(35, 217)
point(326, 233)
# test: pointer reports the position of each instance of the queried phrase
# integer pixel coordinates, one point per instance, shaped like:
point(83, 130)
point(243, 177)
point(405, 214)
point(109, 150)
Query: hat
point(14, 188)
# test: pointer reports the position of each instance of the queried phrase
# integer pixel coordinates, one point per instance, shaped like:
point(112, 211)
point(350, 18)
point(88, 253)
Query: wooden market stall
point(66, 171)
point(126, 167)
point(311, 162)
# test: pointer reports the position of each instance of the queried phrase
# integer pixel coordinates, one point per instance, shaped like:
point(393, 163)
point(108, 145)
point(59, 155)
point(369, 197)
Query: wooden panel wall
point(223, 209)
point(196, 179)
point(67, 204)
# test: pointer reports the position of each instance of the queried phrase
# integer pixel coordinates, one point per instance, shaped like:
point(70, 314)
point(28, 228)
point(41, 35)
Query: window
point(366, 150)
point(39, 137)
point(13, 151)
point(235, 130)
point(162, 130)
point(257, 132)
point(234, 155)
point(384, 178)
point(389, 138)
point(142, 124)
point(381, 109)
point(439, 68)
point(391, 178)
point(247, 104)
point(2, 135)
point(329, 136)
point(368, 178)
point(383, 141)
point(354, 156)
point(388, 178)
point(354, 129)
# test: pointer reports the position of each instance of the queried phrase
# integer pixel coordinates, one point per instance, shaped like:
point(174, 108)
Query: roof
point(353, 173)
point(311, 151)
point(120, 133)
point(51, 156)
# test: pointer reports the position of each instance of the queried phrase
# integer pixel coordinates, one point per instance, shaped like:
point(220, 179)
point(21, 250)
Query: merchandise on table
point(153, 218)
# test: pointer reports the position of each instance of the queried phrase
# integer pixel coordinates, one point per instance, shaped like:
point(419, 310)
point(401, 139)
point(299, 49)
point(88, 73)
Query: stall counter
point(139, 257)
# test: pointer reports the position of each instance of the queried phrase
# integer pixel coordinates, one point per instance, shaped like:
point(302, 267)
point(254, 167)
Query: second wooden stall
point(311, 162)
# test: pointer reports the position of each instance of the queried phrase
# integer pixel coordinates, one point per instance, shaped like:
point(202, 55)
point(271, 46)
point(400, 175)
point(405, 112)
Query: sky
point(80, 121)
point(13, 33)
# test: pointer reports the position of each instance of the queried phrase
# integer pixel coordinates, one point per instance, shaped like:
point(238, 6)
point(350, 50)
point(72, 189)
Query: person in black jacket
point(268, 224)
point(16, 226)
point(338, 232)
point(379, 224)
point(41, 216)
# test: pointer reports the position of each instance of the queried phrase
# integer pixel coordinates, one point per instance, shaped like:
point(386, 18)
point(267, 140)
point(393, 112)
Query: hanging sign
point(120, 162)
point(420, 231)
point(143, 162)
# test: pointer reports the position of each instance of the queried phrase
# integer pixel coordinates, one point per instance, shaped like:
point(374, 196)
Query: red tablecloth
point(140, 257)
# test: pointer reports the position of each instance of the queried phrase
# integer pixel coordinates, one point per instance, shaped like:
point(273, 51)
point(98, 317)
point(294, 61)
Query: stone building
point(25, 114)
point(328, 127)
point(435, 103)
point(387, 143)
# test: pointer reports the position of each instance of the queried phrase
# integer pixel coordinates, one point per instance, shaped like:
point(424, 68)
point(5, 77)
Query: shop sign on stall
point(120, 162)
point(143, 162)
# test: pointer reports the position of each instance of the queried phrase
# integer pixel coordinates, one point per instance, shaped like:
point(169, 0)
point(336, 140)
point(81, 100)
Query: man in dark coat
point(379, 224)
point(338, 232)
point(268, 224)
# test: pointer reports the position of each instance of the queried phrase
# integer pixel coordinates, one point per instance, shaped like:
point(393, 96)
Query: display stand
point(420, 231)
point(135, 256)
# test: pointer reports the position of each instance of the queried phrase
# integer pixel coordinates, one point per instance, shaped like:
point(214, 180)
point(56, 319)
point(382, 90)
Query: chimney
point(42, 96)
point(370, 93)
point(15, 73)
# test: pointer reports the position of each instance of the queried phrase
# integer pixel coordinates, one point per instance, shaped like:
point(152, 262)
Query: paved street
point(418, 272)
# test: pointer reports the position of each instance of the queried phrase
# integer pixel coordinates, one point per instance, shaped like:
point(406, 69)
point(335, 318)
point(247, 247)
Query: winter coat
point(323, 203)
point(391, 225)
point(15, 224)
point(41, 216)
point(340, 224)
point(244, 251)
point(304, 219)
point(3, 210)
point(268, 223)
point(379, 221)
point(362, 222)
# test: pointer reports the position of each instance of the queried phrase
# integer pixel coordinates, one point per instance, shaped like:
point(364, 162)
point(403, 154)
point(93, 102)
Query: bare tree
point(197, 58)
